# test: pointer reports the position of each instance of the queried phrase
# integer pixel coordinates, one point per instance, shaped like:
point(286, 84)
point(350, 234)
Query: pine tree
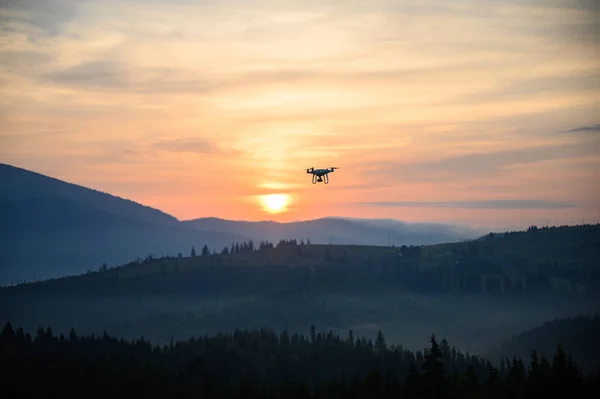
point(534, 380)
point(193, 254)
point(8, 334)
point(380, 343)
point(434, 370)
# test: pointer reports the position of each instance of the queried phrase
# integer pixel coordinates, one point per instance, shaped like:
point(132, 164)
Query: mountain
point(343, 231)
point(20, 185)
point(51, 228)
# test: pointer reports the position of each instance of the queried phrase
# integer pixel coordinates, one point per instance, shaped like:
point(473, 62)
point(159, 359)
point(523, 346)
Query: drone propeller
point(334, 167)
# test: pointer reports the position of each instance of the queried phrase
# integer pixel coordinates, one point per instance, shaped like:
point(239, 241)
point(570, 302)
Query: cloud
point(590, 128)
point(103, 74)
point(47, 15)
point(557, 84)
point(111, 75)
point(482, 204)
point(95, 73)
point(21, 62)
point(193, 145)
point(483, 164)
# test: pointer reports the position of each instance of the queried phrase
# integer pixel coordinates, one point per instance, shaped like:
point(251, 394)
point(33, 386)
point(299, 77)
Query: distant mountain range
point(51, 228)
point(336, 230)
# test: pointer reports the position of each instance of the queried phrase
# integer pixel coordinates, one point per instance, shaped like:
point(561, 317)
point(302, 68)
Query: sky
point(481, 113)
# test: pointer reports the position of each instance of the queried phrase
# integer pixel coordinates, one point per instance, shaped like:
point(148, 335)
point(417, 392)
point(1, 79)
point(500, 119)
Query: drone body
point(320, 175)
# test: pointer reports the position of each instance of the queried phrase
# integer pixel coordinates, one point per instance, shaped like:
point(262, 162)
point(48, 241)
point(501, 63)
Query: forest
point(475, 293)
point(560, 260)
point(262, 363)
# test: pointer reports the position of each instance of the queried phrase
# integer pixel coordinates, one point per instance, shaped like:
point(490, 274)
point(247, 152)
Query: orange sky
point(476, 112)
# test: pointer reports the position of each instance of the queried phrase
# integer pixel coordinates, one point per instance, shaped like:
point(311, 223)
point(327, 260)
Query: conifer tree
point(434, 370)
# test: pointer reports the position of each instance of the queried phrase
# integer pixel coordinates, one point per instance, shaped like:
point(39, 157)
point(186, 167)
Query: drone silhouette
point(320, 175)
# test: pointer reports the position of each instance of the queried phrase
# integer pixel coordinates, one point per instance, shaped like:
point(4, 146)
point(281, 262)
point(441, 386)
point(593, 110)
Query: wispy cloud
point(110, 75)
point(49, 15)
point(483, 204)
point(534, 87)
point(484, 164)
point(425, 99)
point(193, 145)
point(585, 129)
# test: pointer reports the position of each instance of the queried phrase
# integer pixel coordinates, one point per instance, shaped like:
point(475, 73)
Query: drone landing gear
point(319, 179)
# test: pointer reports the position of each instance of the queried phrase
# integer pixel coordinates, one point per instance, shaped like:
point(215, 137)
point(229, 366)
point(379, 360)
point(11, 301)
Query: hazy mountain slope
point(51, 237)
point(461, 232)
point(51, 228)
point(21, 184)
point(336, 230)
point(578, 336)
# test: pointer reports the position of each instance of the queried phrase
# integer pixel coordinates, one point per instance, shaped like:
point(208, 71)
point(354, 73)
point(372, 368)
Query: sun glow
point(275, 203)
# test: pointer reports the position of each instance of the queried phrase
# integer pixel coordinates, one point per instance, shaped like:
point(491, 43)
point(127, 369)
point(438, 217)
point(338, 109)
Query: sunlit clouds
point(199, 108)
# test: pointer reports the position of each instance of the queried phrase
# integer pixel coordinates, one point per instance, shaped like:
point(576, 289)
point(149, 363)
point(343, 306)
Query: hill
point(578, 336)
point(474, 293)
point(51, 228)
point(21, 185)
point(339, 231)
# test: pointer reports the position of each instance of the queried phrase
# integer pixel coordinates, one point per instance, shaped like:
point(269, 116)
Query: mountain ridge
point(20, 184)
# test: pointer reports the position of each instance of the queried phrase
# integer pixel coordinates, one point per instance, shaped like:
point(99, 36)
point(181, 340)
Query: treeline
point(236, 247)
point(246, 246)
point(263, 363)
point(578, 334)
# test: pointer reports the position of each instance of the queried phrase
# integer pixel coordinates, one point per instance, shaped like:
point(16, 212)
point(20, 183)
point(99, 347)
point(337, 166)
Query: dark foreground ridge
point(263, 364)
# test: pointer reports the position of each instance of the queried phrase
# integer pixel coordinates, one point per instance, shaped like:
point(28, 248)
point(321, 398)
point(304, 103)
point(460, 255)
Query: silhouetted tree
point(434, 370)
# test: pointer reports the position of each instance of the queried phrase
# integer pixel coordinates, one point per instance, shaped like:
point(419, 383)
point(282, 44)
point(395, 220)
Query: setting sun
point(275, 203)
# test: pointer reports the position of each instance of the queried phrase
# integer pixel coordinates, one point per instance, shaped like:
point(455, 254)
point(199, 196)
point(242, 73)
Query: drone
point(320, 175)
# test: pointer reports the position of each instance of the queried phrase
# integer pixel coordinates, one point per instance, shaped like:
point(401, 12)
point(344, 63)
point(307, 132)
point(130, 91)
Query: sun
point(275, 203)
